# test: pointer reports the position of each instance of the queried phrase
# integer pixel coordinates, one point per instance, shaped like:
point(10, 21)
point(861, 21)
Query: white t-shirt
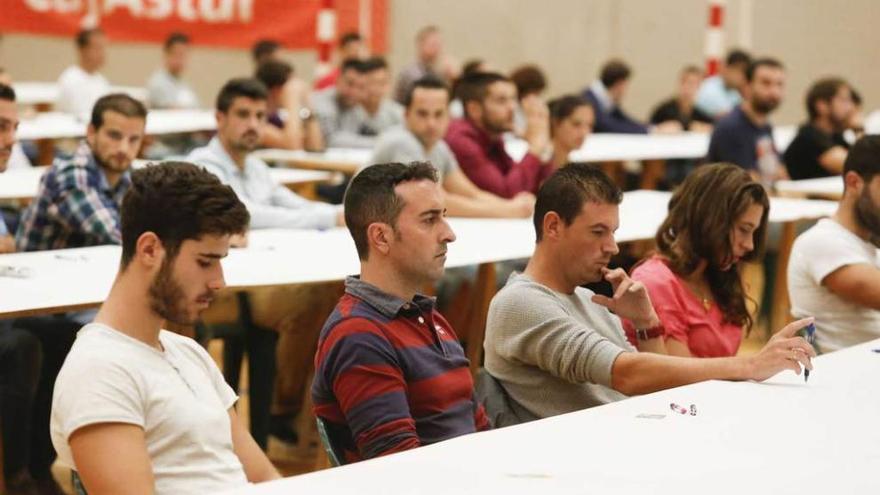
point(78, 91)
point(177, 396)
point(817, 253)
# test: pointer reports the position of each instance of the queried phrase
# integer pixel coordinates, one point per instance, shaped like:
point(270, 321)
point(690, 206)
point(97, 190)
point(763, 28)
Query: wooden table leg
point(484, 290)
point(2, 465)
point(780, 311)
point(653, 172)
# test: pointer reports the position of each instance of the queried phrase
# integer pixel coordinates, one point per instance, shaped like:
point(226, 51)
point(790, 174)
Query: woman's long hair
point(702, 214)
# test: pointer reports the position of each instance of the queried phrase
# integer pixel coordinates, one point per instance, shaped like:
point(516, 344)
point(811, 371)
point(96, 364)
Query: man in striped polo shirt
point(390, 374)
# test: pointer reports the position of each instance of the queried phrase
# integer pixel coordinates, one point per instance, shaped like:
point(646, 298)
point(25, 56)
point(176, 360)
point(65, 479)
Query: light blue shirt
point(3, 229)
point(715, 99)
point(270, 204)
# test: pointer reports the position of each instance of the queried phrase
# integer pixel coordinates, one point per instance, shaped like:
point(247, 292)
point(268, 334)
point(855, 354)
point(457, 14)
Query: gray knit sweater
point(553, 352)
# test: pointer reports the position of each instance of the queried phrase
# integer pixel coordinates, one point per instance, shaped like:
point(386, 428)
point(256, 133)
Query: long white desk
point(826, 187)
point(781, 436)
point(22, 183)
point(56, 125)
point(622, 147)
point(288, 257)
point(46, 93)
point(597, 148)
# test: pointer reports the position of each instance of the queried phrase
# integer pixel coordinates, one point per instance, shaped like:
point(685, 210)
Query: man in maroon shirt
point(489, 101)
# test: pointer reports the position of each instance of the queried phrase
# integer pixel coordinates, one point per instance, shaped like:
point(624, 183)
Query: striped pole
point(715, 37)
point(326, 35)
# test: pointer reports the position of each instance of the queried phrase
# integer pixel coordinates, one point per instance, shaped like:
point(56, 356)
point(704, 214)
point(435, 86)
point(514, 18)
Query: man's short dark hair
point(566, 191)
point(274, 73)
point(864, 157)
point(7, 93)
point(84, 36)
point(373, 64)
point(762, 62)
point(613, 72)
point(240, 87)
point(738, 57)
point(528, 79)
point(425, 31)
point(117, 102)
point(370, 197)
point(427, 82)
point(823, 90)
point(475, 86)
point(691, 69)
point(178, 201)
point(349, 37)
point(354, 64)
point(264, 48)
point(176, 38)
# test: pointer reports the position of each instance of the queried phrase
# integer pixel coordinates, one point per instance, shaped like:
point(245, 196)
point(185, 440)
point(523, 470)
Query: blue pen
point(810, 331)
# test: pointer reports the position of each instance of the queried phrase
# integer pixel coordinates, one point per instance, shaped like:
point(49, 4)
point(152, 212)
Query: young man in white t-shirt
point(834, 269)
point(139, 407)
point(81, 84)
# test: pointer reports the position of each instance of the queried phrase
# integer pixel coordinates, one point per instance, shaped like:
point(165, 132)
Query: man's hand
point(783, 351)
point(537, 132)
point(630, 301)
point(668, 127)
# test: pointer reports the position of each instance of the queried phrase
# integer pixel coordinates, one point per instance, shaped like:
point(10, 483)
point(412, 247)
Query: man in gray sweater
point(556, 347)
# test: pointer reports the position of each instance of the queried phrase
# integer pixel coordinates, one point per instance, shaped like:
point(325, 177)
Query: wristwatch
point(305, 114)
point(650, 333)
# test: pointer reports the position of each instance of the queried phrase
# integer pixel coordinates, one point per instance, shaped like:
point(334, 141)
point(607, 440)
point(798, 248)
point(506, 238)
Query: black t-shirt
point(669, 110)
point(802, 155)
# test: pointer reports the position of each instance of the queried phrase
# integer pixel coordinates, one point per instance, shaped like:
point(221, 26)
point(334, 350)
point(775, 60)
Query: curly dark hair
point(702, 214)
point(178, 201)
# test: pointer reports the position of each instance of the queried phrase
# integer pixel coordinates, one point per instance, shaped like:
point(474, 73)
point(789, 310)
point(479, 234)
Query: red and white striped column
point(326, 35)
point(714, 49)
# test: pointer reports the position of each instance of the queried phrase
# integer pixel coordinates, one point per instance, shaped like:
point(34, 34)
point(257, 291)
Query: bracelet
point(650, 333)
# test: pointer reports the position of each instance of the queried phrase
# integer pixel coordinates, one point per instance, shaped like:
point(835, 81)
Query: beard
point(868, 217)
point(167, 298)
point(764, 106)
point(498, 126)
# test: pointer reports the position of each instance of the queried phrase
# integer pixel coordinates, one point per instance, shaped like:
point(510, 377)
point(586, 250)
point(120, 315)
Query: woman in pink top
point(717, 218)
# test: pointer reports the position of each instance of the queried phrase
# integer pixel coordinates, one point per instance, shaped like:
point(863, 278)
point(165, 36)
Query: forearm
point(643, 373)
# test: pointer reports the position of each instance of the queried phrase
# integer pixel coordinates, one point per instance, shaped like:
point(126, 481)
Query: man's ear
point(149, 250)
point(552, 225)
point(380, 236)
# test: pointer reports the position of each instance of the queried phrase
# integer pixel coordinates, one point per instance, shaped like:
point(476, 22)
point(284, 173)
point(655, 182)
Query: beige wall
point(569, 38)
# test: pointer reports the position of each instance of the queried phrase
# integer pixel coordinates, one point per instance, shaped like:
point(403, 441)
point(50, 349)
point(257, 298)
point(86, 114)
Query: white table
point(597, 148)
point(46, 93)
point(607, 147)
point(826, 187)
point(287, 257)
point(22, 184)
point(780, 436)
point(56, 125)
point(345, 160)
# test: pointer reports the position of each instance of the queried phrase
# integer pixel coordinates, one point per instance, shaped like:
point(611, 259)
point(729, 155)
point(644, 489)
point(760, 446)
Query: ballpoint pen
point(810, 333)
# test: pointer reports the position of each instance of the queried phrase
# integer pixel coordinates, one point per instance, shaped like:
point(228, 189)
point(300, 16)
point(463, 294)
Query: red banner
point(229, 23)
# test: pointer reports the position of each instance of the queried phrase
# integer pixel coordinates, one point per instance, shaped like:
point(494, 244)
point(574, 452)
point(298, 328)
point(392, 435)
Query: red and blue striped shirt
point(390, 375)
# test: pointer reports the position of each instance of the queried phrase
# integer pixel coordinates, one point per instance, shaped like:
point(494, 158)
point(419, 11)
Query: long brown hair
point(702, 213)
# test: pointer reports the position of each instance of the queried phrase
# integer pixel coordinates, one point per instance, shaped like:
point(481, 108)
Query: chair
point(334, 453)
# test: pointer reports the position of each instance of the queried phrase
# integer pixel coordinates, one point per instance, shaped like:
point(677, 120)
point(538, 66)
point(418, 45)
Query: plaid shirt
point(75, 206)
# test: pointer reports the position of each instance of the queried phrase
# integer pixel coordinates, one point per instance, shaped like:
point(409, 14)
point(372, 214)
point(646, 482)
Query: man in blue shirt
point(720, 93)
point(744, 137)
point(606, 95)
